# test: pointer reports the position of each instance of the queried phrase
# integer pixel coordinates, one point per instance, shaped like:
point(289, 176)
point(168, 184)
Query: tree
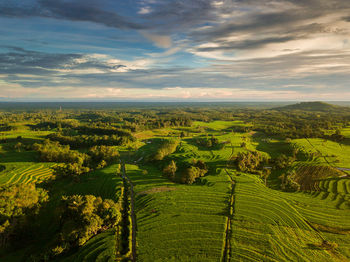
point(18, 146)
point(265, 174)
point(83, 217)
point(100, 156)
point(70, 170)
point(170, 170)
point(18, 206)
point(189, 175)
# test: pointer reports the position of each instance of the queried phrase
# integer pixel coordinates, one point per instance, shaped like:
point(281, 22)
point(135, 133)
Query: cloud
point(144, 10)
point(68, 10)
point(254, 48)
point(162, 41)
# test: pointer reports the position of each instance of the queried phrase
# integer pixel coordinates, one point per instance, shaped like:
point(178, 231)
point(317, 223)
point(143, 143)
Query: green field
point(25, 172)
point(214, 219)
point(277, 226)
point(178, 222)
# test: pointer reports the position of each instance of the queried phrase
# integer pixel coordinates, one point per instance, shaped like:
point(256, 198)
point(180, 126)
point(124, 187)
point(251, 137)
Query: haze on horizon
point(171, 50)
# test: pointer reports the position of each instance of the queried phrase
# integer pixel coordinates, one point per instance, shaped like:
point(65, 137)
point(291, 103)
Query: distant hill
point(313, 106)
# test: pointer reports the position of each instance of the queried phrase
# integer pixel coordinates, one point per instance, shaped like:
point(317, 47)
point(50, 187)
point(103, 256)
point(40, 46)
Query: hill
point(313, 106)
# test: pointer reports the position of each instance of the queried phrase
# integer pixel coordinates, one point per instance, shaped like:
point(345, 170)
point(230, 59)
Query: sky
point(174, 50)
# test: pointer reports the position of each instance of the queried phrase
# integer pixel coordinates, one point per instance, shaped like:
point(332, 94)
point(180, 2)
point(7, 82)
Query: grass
point(332, 153)
point(219, 125)
point(25, 172)
point(186, 223)
point(100, 248)
point(267, 226)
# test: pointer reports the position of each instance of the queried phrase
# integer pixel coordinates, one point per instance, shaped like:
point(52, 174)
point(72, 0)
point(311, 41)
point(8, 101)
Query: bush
point(170, 170)
point(190, 174)
point(166, 148)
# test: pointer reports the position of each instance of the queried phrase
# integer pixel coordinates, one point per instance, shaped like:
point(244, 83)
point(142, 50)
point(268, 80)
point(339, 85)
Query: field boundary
point(228, 232)
point(132, 212)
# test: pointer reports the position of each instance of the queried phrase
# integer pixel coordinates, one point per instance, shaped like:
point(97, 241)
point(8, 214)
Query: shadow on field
point(345, 142)
point(273, 149)
point(23, 156)
point(312, 247)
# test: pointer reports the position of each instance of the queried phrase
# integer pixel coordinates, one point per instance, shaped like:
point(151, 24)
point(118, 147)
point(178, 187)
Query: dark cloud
point(21, 61)
point(69, 10)
point(174, 15)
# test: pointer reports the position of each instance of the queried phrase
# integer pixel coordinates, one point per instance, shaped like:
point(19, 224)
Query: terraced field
point(98, 249)
point(276, 226)
point(25, 172)
point(178, 222)
point(346, 132)
point(332, 153)
point(268, 228)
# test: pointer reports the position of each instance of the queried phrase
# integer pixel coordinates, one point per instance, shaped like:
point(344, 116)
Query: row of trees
point(79, 141)
point(54, 152)
point(295, 124)
point(74, 162)
point(189, 173)
point(210, 142)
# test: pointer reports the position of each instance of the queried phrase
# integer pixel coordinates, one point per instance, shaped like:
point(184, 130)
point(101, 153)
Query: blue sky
point(175, 50)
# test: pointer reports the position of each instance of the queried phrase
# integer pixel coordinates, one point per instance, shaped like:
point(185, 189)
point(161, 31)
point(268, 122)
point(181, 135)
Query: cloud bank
point(207, 49)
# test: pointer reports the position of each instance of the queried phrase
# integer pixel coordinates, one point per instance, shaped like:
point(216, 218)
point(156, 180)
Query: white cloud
point(162, 41)
point(144, 10)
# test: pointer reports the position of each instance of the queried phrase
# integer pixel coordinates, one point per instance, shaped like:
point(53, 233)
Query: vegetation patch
point(156, 190)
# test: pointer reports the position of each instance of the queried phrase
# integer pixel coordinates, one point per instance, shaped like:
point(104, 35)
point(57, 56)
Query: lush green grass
point(219, 125)
point(346, 132)
point(178, 222)
point(333, 153)
point(23, 130)
point(25, 172)
point(100, 248)
point(268, 228)
point(277, 226)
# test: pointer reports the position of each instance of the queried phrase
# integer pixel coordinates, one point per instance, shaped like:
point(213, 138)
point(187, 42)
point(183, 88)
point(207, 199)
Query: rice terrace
point(175, 130)
point(185, 183)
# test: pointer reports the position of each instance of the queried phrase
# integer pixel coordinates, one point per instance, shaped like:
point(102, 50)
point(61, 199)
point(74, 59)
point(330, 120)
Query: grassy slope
point(330, 151)
point(179, 223)
point(275, 226)
point(188, 223)
point(23, 166)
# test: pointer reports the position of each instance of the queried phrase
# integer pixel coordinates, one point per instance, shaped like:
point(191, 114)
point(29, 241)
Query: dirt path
point(227, 249)
point(132, 213)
